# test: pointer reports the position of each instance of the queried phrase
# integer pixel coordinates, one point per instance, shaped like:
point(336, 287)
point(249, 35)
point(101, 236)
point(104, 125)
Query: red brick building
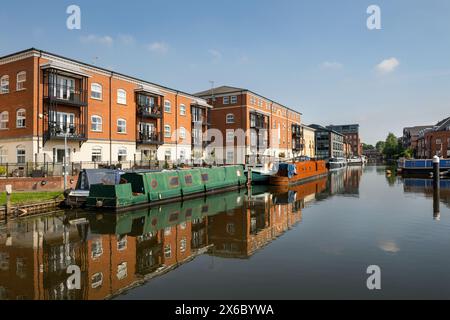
point(108, 116)
point(435, 142)
point(271, 129)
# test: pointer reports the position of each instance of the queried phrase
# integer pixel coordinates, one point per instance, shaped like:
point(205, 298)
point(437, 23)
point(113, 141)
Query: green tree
point(392, 149)
point(368, 147)
point(380, 146)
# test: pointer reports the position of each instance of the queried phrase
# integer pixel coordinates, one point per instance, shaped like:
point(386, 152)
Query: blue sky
point(316, 56)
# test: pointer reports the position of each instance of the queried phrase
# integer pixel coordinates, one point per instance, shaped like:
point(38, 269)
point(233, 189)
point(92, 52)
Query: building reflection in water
point(118, 252)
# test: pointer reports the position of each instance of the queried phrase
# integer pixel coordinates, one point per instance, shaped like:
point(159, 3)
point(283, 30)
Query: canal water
point(313, 241)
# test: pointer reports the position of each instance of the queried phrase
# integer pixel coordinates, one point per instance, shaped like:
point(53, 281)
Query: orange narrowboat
point(291, 174)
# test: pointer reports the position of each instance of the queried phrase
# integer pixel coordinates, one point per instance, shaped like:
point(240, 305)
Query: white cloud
point(387, 66)
point(102, 40)
point(158, 47)
point(126, 39)
point(331, 65)
point(215, 54)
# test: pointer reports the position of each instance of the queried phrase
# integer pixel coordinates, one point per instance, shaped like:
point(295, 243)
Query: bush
point(2, 171)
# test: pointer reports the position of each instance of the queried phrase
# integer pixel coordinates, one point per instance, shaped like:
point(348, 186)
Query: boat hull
point(305, 171)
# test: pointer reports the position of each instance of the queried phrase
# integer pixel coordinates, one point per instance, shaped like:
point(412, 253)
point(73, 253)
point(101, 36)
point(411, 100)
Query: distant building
point(411, 136)
point(373, 156)
point(352, 136)
point(329, 143)
point(434, 141)
point(309, 141)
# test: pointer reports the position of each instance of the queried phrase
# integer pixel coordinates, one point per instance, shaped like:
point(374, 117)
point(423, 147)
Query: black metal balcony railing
point(65, 94)
point(73, 131)
point(296, 131)
point(150, 138)
point(201, 120)
point(150, 111)
point(258, 122)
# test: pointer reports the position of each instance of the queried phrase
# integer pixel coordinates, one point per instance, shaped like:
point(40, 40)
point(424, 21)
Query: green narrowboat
point(151, 188)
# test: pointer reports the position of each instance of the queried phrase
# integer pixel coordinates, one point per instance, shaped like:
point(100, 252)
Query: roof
point(229, 90)
point(414, 131)
point(443, 125)
point(42, 52)
point(318, 127)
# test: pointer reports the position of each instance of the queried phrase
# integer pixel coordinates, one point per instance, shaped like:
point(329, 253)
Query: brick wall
point(36, 184)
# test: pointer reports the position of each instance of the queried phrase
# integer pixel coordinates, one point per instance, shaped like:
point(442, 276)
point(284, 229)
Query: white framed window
point(167, 106)
point(122, 271)
point(3, 155)
point(234, 99)
point(96, 124)
point(226, 100)
point(182, 110)
point(20, 81)
point(122, 155)
point(96, 91)
point(21, 118)
point(96, 248)
point(97, 280)
point(97, 154)
point(122, 243)
point(183, 245)
point(167, 131)
point(21, 155)
point(4, 84)
point(121, 126)
point(167, 251)
point(4, 120)
point(182, 155)
point(182, 133)
point(230, 136)
point(168, 155)
point(121, 96)
point(230, 118)
point(230, 157)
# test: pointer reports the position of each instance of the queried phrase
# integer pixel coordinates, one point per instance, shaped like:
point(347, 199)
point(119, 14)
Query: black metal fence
point(53, 169)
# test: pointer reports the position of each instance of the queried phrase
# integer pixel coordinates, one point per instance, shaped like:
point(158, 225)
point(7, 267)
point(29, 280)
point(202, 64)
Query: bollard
point(436, 187)
point(8, 189)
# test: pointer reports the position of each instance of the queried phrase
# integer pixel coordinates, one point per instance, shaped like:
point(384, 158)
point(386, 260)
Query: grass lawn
point(29, 197)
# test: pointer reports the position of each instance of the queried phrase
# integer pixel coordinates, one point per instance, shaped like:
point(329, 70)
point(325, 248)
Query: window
point(121, 96)
point(122, 271)
point(230, 136)
point(96, 124)
point(20, 118)
point(167, 251)
point(20, 81)
point(97, 280)
point(182, 110)
point(167, 107)
point(3, 155)
point(121, 126)
point(168, 155)
point(20, 155)
point(167, 131)
point(122, 243)
point(183, 245)
point(97, 248)
point(234, 99)
point(182, 133)
point(4, 84)
point(122, 155)
point(226, 100)
point(230, 118)
point(96, 91)
point(4, 119)
point(97, 154)
point(230, 157)
point(174, 182)
point(182, 156)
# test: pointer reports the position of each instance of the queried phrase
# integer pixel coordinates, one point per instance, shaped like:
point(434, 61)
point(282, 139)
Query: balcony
point(75, 132)
point(296, 131)
point(150, 138)
point(258, 121)
point(67, 95)
point(150, 111)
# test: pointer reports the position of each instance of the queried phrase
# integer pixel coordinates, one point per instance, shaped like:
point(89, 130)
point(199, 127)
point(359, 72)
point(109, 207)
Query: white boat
point(355, 161)
point(262, 172)
point(337, 163)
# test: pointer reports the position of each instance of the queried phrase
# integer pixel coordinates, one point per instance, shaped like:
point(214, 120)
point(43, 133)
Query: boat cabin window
point(205, 177)
point(188, 179)
point(188, 213)
point(174, 182)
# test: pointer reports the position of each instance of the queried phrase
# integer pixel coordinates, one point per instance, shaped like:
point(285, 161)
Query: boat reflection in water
point(118, 252)
point(426, 187)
